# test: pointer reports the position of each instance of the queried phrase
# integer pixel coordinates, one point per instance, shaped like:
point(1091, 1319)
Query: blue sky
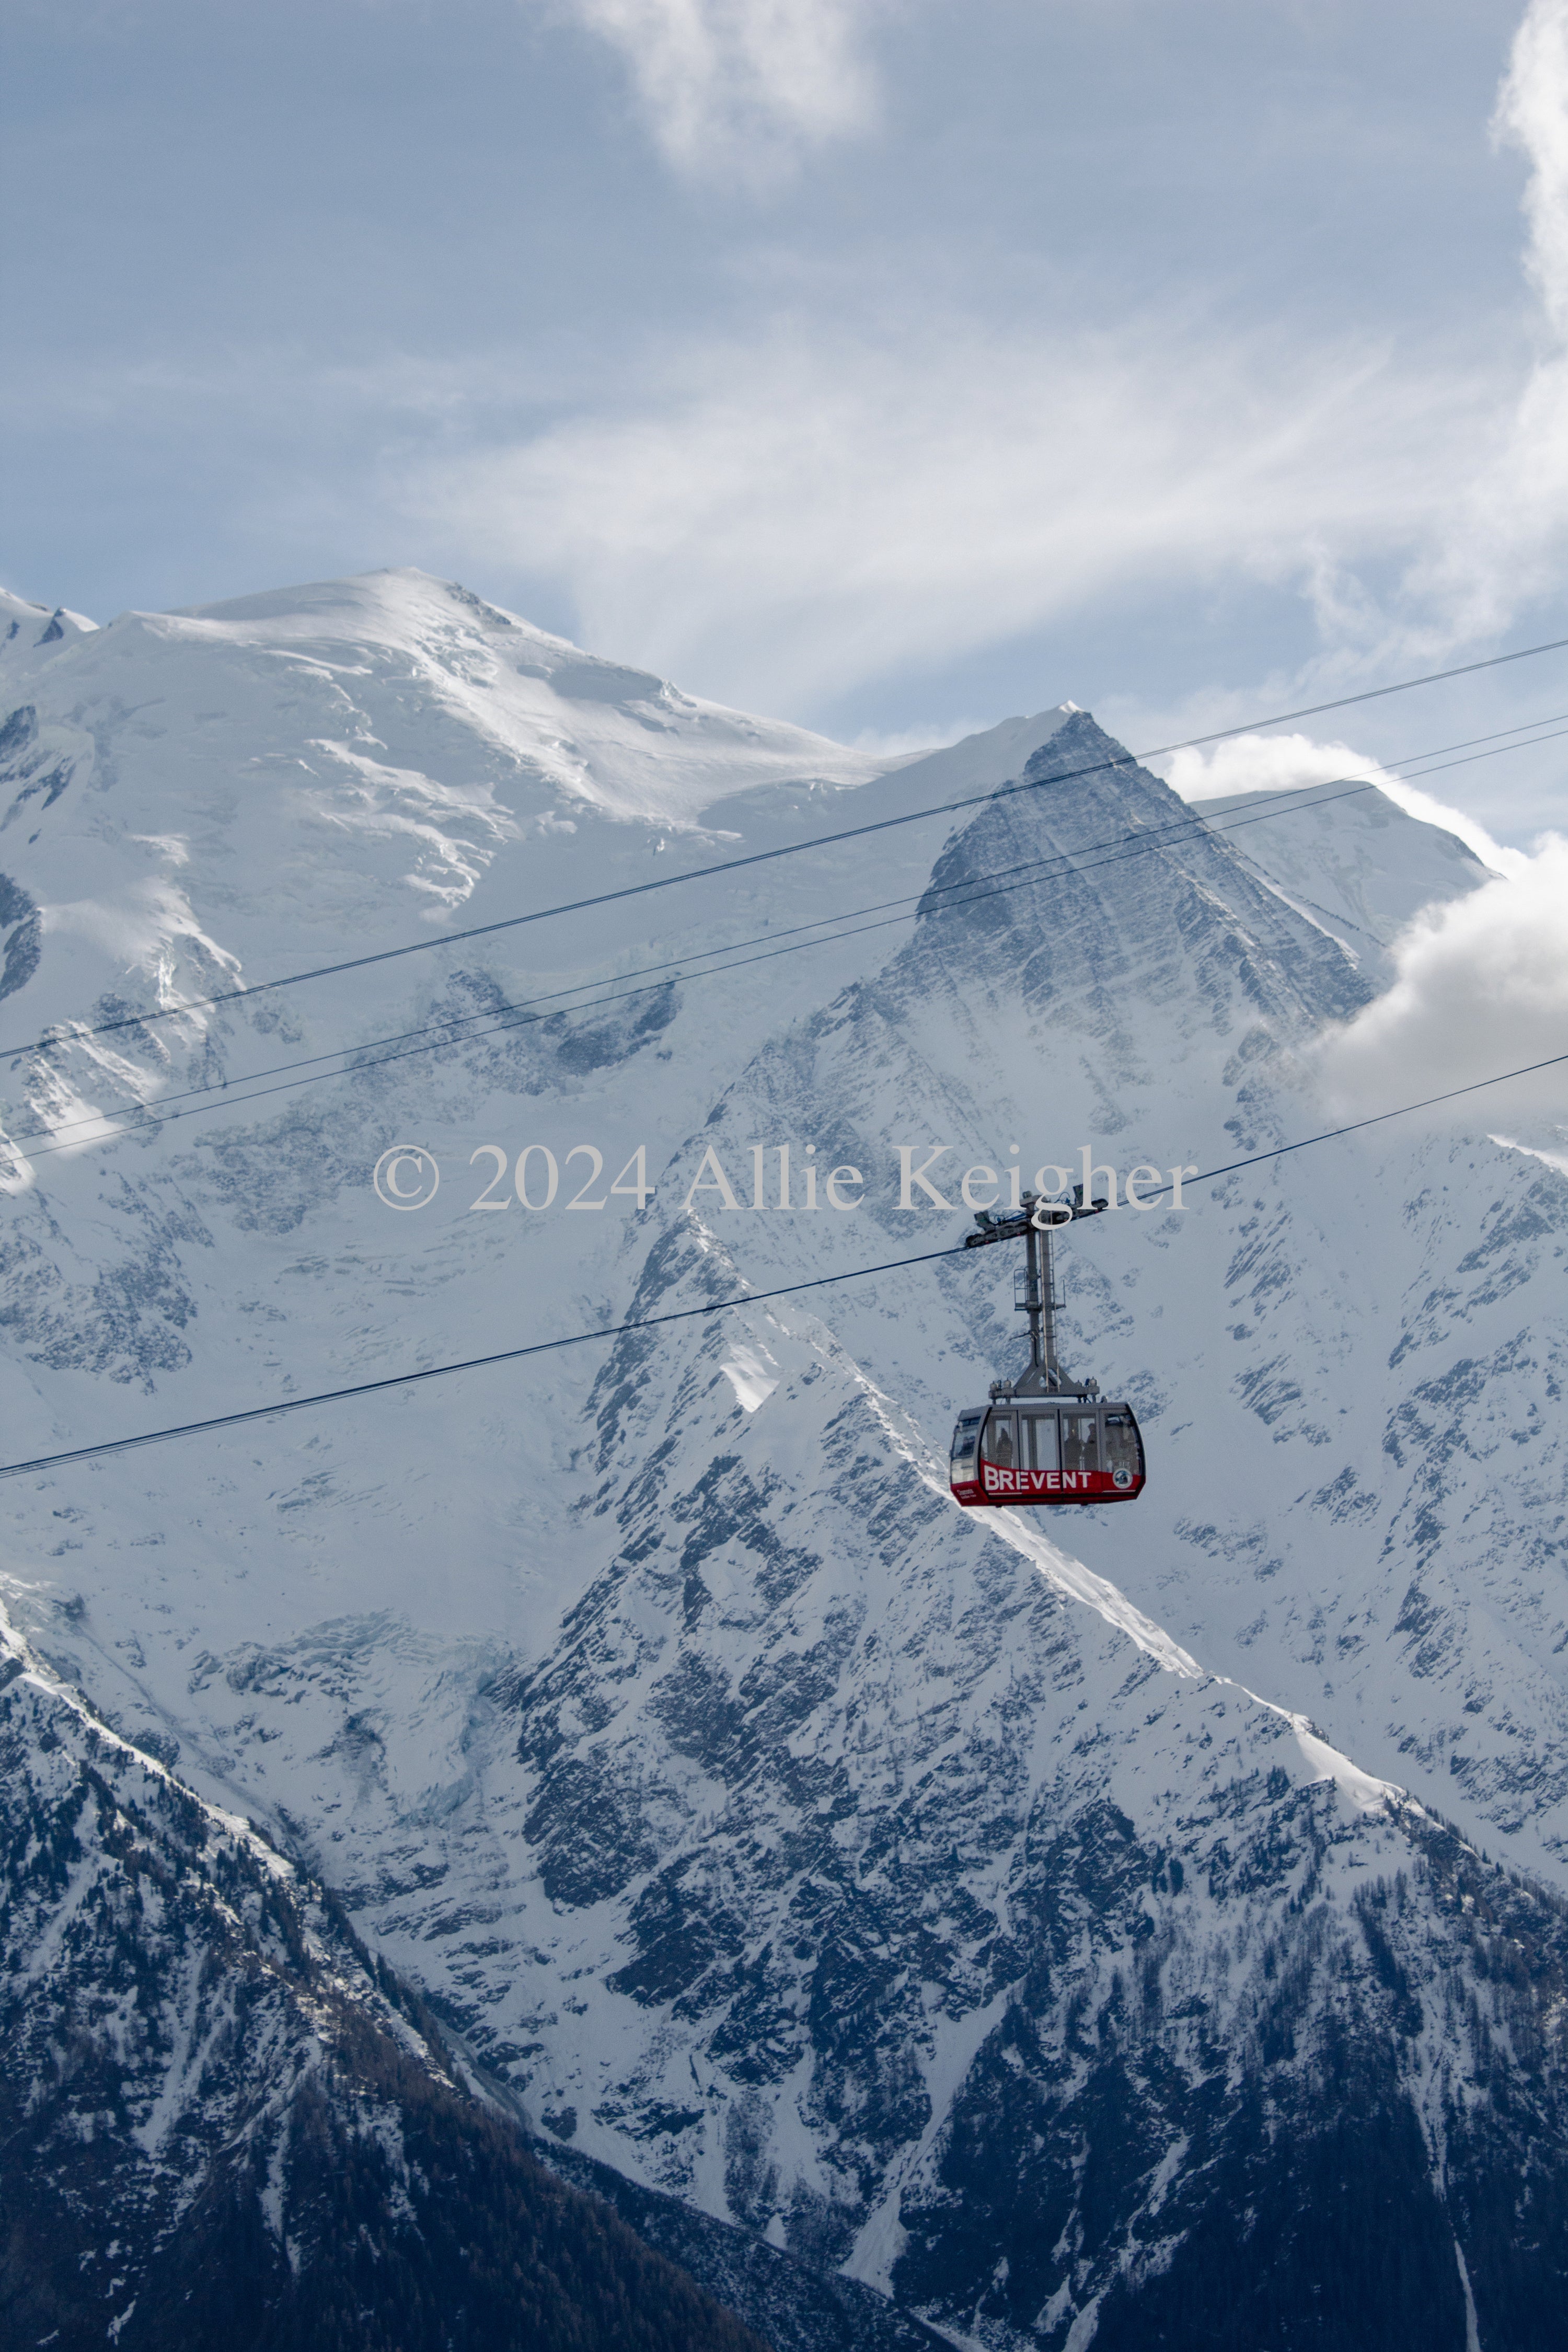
point(886, 367)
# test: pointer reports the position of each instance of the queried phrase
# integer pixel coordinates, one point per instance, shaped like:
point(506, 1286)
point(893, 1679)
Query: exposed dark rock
point(221, 2124)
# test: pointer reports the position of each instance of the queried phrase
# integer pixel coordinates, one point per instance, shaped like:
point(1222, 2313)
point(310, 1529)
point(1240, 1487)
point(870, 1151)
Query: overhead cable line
point(713, 1307)
point(353, 1060)
point(766, 856)
point(1354, 1126)
point(352, 1063)
point(440, 1371)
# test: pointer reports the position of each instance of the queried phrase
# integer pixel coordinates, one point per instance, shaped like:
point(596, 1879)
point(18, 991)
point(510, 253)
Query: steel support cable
point(1354, 1126)
point(232, 1096)
point(713, 1307)
point(1128, 844)
point(1019, 878)
point(787, 849)
point(347, 1056)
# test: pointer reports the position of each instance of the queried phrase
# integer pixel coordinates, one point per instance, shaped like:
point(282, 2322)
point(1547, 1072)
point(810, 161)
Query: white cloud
point(780, 520)
point(1482, 986)
point(784, 515)
point(1506, 540)
point(1263, 763)
point(1288, 763)
point(1532, 111)
point(734, 84)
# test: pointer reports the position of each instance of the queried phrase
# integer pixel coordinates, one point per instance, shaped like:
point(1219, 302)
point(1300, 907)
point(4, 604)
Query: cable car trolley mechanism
point(1044, 1438)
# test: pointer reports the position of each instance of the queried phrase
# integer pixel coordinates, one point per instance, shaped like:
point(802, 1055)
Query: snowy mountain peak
point(26, 628)
point(840, 1862)
point(351, 761)
point(580, 720)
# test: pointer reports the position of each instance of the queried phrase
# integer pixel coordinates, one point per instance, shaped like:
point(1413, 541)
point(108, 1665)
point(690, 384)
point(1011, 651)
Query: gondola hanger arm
point(1015, 1224)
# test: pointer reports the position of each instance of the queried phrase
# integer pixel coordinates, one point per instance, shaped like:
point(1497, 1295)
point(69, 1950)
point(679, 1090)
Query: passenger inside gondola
point(1080, 1441)
point(999, 1441)
point(1050, 1452)
point(1121, 1452)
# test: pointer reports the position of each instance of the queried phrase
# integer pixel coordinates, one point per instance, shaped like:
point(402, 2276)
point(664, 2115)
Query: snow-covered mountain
point(1016, 1916)
point(225, 2125)
point(1353, 861)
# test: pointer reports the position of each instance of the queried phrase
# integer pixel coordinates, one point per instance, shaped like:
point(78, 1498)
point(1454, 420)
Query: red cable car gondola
point(1044, 1438)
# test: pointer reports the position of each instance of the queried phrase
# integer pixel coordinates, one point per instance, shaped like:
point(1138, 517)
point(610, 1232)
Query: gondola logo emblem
point(407, 1177)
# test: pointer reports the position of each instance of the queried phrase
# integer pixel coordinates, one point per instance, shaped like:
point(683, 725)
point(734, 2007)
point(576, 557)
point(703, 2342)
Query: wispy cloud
point(910, 742)
point(790, 513)
point(739, 86)
point(786, 517)
point(1504, 540)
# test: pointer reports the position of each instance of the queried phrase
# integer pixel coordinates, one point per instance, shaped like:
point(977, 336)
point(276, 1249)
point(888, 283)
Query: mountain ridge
point(806, 1848)
point(224, 2123)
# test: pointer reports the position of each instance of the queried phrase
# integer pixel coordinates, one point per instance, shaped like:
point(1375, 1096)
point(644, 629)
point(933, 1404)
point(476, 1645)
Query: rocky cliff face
point(1055, 1929)
point(223, 2123)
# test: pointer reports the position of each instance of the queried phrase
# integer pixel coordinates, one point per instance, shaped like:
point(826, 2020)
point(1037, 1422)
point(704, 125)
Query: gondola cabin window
point(1001, 1445)
point(1080, 1441)
point(1121, 1449)
point(1037, 1441)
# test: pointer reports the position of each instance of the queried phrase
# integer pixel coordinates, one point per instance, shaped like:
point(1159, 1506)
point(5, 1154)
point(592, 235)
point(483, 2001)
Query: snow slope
point(1354, 862)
